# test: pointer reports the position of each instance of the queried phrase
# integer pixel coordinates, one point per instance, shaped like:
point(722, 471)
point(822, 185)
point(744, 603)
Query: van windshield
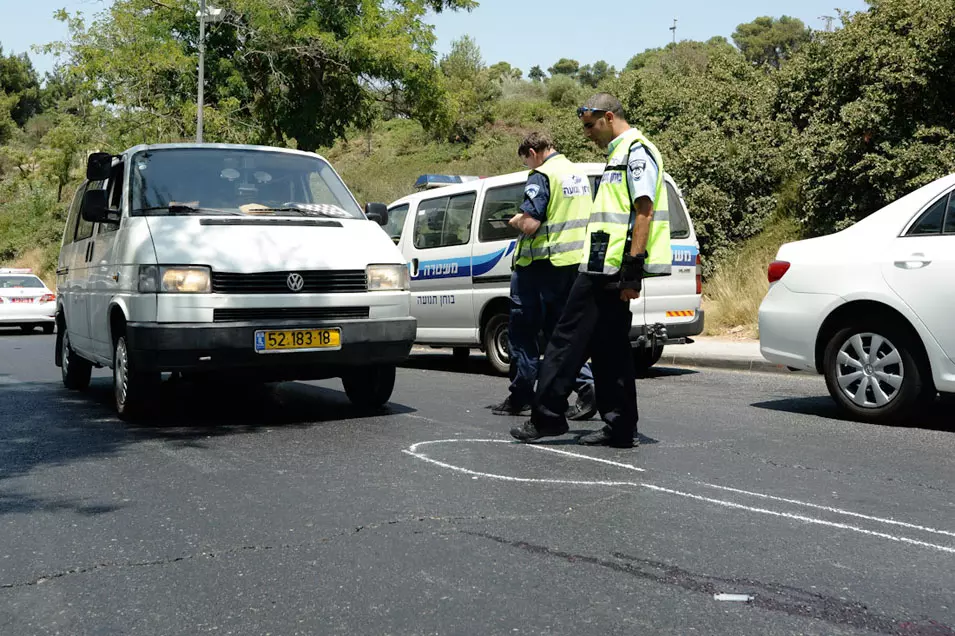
point(169, 181)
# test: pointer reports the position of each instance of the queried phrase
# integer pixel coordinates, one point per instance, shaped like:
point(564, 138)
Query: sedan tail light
point(46, 298)
point(778, 269)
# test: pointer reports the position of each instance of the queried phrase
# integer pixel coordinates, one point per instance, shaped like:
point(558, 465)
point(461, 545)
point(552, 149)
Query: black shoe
point(604, 438)
point(528, 431)
point(586, 405)
point(509, 408)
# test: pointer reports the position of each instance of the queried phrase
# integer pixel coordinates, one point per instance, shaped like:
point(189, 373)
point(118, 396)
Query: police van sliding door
point(494, 248)
point(440, 258)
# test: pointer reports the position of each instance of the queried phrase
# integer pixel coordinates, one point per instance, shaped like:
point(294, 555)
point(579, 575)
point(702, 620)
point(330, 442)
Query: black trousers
point(595, 324)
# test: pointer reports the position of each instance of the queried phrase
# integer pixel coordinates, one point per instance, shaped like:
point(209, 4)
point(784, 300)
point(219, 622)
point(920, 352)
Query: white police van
point(459, 248)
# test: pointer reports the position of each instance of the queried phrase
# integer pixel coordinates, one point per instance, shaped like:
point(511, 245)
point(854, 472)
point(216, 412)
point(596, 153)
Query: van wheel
point(370, 387)
point(75, 370)
point(875, 373)
point(461, 354)
point(496, 343)
point(644, 358)
point(134, 390)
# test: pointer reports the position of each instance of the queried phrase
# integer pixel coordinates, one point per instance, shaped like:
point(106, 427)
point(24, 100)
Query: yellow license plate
point(297, 340)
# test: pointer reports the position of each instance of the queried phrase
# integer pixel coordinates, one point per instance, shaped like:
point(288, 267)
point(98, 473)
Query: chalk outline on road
point(413, 451)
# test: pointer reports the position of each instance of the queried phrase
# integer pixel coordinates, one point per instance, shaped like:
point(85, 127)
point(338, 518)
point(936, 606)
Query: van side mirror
point(98, 166)
point(377, 212)
point(96, 209)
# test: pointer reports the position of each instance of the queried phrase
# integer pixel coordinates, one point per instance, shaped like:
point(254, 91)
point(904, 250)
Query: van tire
point(644, 358)
point(26, 329)
point(134, 390)
point(370, 387)
point(75, 370)
point(496, 343)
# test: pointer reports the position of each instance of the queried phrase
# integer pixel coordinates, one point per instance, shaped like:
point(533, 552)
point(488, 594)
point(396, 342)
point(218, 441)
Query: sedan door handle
point(913, 263)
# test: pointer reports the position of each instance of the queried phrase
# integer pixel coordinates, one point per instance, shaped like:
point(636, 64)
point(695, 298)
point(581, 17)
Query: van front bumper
point(229, 348)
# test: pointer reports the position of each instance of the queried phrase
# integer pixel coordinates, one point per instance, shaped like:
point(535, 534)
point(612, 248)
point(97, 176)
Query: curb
point(728, 364)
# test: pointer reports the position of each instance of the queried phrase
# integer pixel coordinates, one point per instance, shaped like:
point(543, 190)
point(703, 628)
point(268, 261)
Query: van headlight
point(388, 278)
point(175, 280)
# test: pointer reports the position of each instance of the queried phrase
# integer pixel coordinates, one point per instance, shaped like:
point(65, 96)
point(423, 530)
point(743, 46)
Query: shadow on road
point(477, 364)
point(42, 425)
point(939, 416)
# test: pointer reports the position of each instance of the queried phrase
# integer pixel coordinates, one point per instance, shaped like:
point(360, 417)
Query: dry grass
point(732, 295)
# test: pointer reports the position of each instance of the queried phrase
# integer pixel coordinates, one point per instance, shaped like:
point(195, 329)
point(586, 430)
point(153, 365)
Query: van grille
point(289, 313)
point(315, 282)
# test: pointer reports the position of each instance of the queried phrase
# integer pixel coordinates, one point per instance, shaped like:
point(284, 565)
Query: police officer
point(552, 221)
point(628, 238)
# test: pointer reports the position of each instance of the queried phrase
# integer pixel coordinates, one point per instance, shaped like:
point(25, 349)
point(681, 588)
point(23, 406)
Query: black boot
point(529, 432)
point(604, 437)
point(586, 405)
point(507, 407)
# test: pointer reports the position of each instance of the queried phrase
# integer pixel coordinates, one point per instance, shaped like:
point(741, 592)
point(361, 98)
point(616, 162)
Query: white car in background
point(871, 307)
point(25, 301)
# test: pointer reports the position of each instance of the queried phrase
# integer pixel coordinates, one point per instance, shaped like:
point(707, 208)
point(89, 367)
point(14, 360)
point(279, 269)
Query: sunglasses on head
point(587, 109)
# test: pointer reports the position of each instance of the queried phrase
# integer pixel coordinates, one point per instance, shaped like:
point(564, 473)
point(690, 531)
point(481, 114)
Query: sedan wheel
point(874, 373)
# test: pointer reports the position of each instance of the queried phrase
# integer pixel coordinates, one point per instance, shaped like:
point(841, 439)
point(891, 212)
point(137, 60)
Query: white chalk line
point(720, 502)
point(414, 448)
point(839, 511)
point(803, 518)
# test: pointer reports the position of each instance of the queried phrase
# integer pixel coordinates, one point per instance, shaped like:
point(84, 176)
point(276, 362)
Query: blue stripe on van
point(685, 256)
point(461, 267)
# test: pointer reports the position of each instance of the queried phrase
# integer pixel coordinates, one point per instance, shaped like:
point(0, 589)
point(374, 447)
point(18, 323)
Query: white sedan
point(25, 301)
point(871, 307)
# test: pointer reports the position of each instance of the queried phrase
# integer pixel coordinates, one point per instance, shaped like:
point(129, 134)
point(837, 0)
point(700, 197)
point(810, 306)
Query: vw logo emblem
point(295, 282)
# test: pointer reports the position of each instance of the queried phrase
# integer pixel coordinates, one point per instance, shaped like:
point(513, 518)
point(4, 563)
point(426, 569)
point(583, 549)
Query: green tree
point(471, 91)
point(302, 70)
point(18, 79)
point(592, 76)
point(872, 103)
point(536, 74)
point(768, 41)
point(565, 66)
point(504, 71)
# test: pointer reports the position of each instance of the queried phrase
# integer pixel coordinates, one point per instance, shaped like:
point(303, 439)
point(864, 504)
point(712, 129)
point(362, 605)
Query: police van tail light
point(699, 275)
point(778, 269)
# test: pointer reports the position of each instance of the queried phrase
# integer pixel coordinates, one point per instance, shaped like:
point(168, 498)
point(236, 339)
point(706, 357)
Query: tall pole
point(202, 69)
point(673, 28)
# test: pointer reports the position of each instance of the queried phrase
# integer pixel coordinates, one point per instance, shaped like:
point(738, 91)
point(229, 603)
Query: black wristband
point(631, 271)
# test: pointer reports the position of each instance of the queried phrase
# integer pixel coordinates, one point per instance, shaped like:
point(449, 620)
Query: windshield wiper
point(304, 209)
point(180, 208)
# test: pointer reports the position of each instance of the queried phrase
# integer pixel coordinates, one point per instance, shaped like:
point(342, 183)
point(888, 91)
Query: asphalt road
point(286, 511)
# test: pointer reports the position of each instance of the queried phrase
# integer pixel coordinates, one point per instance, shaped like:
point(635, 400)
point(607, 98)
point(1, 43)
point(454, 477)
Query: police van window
point(74, 216)
point(396, 221)
point(950, 216)
point(931, 221)
point(444, 221)
point(500, 205)
point(679, 223)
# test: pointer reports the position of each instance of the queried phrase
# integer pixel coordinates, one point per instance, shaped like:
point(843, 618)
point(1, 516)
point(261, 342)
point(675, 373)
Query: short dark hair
point(536, 141)
point(607, 103)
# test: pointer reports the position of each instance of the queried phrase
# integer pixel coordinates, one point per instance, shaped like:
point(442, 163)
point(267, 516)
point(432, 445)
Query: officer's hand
point(515, 221)
point(627, 295)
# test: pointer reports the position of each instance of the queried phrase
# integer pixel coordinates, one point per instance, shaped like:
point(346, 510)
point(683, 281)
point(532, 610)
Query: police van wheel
point(370, 387)
point(644, 358)
point(496, 343)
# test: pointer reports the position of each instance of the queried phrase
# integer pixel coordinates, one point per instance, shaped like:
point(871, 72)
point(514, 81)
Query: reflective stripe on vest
point(609, 225)
point(560, 238)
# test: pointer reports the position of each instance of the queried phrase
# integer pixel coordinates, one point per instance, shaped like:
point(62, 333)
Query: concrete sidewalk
point(720, 353)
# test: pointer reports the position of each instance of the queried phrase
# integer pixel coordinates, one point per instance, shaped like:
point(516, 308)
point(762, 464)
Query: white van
point(247, 262)
point(459, 248)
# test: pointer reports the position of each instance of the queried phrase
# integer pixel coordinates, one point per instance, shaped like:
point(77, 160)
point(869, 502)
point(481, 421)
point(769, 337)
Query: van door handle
point(414, 268)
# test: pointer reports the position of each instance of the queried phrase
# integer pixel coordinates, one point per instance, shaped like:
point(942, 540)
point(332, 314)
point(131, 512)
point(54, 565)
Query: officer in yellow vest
point(627, 239)
point(552, 221)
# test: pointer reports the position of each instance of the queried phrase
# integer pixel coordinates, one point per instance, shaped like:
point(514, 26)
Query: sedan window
point(931, 221)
